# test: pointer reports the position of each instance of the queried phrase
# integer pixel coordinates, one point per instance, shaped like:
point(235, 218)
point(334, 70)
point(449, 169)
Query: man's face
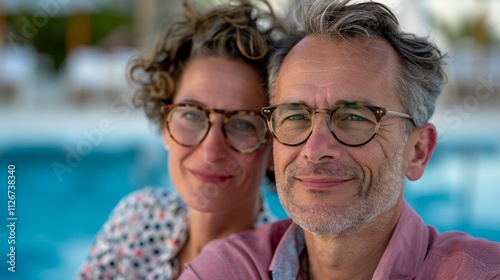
point(324, 185)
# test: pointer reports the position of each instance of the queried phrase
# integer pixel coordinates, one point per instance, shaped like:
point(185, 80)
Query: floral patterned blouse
point(143, 236)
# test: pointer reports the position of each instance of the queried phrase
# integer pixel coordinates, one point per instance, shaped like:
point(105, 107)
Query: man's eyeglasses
point(352, 124)
point(188, 124)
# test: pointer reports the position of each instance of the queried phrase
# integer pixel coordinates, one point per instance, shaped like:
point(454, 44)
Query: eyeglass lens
point(352, 124)
point(189, 126)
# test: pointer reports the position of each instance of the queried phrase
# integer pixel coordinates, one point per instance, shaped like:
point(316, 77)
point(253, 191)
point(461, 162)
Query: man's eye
point(355, 118)
point(296, 117)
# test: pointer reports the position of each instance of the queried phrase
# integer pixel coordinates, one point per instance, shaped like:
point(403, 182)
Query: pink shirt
point(415, 251)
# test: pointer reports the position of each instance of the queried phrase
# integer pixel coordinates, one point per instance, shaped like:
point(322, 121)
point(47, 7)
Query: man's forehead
point(337, 68)
point(356, 49)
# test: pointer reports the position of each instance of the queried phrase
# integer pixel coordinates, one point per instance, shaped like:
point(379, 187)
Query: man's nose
point(321, 144)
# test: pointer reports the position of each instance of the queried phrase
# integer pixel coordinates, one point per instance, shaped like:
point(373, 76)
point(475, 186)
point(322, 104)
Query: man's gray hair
point(421, 76)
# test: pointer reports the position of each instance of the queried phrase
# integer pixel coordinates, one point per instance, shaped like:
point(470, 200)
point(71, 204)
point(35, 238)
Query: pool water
point(59, 216)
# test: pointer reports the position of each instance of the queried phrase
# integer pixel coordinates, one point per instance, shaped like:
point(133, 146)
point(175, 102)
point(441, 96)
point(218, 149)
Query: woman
point(205, 85)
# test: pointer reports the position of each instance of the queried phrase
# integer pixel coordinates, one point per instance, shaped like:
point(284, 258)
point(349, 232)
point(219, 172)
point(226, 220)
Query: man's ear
point(422, 144)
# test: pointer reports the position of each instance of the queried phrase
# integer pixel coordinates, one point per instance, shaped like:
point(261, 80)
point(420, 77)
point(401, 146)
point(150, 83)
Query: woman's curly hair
point(237, 31)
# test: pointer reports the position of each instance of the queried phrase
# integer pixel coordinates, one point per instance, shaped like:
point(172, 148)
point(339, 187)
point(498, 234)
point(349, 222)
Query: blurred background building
point(67, 124)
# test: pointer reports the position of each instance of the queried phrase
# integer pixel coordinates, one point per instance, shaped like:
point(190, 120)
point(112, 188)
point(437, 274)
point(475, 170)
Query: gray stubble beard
point(379, 196)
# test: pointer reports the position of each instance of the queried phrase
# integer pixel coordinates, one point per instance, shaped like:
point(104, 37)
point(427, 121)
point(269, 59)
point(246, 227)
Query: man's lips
point(321, 183)
point(210, 177)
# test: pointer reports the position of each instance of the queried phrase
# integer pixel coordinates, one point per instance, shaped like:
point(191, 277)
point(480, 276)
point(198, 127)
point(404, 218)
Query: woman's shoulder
point(151, 198)
point(149, 207)
point(147, 216)
point(142, 235)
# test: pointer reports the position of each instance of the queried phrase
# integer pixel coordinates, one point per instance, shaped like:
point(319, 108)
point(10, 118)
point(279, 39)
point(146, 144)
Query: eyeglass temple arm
point(399, 114)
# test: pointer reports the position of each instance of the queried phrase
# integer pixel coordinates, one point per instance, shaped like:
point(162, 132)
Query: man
point(352, 97)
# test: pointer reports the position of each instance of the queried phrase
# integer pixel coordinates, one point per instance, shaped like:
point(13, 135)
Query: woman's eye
point(242, 125)
point(245, 125)
point(191, 116)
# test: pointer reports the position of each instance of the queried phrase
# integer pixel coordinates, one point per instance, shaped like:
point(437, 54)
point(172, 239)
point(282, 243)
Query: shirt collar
point(404, 254)
point(407, 248)
point(286, 260)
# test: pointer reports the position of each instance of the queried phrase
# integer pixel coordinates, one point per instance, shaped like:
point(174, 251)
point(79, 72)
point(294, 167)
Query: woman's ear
point(421, 144)
point(166, 138)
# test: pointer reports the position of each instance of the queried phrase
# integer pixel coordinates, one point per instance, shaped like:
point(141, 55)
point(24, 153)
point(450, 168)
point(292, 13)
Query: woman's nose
point(214, 146)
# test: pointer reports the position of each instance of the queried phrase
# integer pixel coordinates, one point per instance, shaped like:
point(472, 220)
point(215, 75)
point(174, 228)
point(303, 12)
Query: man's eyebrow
point(343, 101)
point(298, 102)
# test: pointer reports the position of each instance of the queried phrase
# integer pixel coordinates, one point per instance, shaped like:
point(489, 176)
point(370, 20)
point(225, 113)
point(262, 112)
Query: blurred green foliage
point(477, 28)
point(49, 35)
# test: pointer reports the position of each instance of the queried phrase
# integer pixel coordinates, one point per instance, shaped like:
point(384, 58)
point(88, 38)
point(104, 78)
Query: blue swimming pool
point(59, 215)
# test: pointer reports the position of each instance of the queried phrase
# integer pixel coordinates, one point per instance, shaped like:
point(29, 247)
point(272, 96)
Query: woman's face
point(212, 177)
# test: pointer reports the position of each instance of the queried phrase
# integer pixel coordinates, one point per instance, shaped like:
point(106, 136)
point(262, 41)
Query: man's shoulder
point(265, 238)
point(454, 241)
point(460, 253)
point(245, 255)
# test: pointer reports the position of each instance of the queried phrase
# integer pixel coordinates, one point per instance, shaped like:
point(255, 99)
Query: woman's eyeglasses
point(188, 124)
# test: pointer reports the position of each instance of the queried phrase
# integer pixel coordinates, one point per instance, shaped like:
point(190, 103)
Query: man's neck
point(354, 255)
